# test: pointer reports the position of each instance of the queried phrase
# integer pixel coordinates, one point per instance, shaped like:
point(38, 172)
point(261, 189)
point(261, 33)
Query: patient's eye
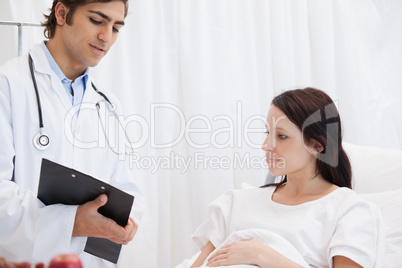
point(282, 137)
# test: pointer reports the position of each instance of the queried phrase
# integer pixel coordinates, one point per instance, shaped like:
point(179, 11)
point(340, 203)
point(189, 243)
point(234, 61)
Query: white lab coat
point(30, 231)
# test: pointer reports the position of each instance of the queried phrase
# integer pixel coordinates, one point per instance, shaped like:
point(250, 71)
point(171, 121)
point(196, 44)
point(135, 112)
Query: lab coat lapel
point(41, 65)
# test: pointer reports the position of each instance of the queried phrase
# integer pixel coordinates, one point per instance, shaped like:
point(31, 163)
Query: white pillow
point(374, 169)
point(390, 204)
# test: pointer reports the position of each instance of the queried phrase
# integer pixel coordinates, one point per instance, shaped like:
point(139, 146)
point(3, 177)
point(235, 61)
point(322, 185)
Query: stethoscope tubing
point(36, 91)
point(41, 140)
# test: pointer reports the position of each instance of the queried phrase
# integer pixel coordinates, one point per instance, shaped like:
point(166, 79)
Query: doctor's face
point(92, 32)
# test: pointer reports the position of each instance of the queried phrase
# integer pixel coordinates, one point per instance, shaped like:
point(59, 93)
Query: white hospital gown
point(340, 223)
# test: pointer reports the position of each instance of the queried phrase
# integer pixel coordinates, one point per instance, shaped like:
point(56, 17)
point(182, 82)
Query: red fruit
point(66, 261)
point(40, 265)
point(23, 265)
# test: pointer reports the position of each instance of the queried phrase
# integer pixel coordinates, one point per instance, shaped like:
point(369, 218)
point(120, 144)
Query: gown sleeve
point(217, 225)
point(359, 236)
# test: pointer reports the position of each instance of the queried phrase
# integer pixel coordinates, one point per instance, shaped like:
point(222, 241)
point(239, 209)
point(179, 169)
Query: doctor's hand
point(90, 223)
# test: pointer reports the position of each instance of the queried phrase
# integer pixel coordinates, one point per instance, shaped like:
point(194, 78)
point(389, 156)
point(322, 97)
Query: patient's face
point(286, 154)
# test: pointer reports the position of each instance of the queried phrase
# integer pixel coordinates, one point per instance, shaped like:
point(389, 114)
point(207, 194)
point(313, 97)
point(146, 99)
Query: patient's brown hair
point(316, 115)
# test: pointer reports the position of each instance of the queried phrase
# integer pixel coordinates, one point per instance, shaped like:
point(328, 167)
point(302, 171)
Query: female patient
point(313, 206)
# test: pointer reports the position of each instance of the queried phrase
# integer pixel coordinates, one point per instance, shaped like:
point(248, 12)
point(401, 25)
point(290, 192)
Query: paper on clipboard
point(62, 185)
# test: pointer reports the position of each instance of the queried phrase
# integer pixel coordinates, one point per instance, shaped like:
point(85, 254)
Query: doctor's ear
point(61, 14)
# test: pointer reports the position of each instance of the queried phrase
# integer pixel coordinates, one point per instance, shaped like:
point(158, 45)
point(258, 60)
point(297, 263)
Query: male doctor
point(80, 33)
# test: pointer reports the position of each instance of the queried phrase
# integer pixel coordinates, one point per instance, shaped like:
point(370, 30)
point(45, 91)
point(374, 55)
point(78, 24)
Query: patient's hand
point(251, 252)
point(241, 252)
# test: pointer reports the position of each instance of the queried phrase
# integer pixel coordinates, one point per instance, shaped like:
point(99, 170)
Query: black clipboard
point(62, 185)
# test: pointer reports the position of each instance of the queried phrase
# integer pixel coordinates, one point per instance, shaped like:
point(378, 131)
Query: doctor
point(64, 128)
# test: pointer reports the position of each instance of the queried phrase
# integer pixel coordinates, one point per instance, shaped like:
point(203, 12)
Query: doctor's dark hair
point(316, 115)
point(51, 22)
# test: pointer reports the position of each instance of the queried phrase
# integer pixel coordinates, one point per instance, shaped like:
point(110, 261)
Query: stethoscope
point(41, 140)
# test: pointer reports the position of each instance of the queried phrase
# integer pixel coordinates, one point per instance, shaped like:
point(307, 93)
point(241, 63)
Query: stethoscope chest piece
point(41, 141)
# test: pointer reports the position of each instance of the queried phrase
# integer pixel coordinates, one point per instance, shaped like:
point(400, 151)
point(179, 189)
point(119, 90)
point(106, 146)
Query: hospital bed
point(20, 26)
point(377, 176)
